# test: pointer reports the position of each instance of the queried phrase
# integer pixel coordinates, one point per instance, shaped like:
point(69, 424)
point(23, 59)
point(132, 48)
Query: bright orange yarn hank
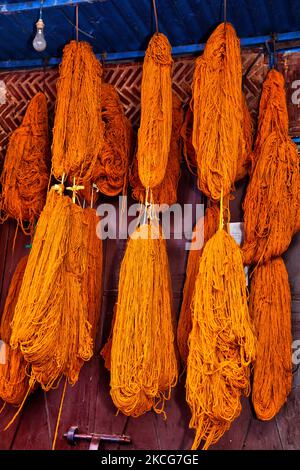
point(26, 169)
point(154, 134)
point(221, 343)
point(270, 308)
point(143, 359)
point(271, 204)
point(218, 112)
point(14, 379)
point(78, 127)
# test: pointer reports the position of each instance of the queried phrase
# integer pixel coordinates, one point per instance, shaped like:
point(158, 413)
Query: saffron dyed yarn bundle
point(143, 359)
point(26, 169)
point(221, 343)
point(187, 136)
point(166, 191)
point(14, 373)
point(270, 308)
point(207, 227)
point(271, 204)
point(245, 154)
point(245, 149)
point(78, 127)
point(154, 134)
point(218, 112)
point(111, 174)
point(50, 324)
point(93, 275)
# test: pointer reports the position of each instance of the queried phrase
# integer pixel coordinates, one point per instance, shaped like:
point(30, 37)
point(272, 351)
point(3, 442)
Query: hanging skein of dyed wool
point(271, 204)
point(207, 226)
point(14, 376)
point(78, 127)
point(245, 148)
point(221, 343)
point(50, 324)
point(26, 169)
point(166, 191)
point(245, 151)
point(218, 112)
point(93, 275)
point(143, 358)
point(114, 159)
point(186, 135)
point(154, 134)
point(270, 308)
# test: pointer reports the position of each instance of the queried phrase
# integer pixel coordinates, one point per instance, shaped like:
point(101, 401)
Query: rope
point(59, 414)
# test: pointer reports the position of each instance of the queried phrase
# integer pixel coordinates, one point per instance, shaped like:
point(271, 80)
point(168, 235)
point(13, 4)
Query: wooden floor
point(88, 404)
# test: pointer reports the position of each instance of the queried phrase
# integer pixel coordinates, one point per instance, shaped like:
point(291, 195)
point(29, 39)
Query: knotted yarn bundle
point(25, 175)
point(270, 309)
point(78, 127)
point(14, 376)
point(143, 359)
point(218, 112)
point(221, 343)
point(154, 134)
point(207, 226)
point(271, 205)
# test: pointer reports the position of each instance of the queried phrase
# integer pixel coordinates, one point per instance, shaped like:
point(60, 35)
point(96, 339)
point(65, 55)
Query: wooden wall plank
point(262, 435)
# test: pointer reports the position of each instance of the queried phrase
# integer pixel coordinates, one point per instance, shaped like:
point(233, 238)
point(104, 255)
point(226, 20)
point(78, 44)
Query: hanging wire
point(77, 34)
point(271, 50)
point(155, 15)
point(274, 50)
point(225, 12)
point(41, 9)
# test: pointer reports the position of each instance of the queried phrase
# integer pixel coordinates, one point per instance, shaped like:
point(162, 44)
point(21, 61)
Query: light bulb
point(39, 42)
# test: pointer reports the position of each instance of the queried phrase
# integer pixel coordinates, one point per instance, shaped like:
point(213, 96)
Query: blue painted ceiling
point(126, 25)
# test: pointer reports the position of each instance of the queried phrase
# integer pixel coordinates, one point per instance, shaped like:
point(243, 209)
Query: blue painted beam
point(36, 4)
point(134, 55)
point(296, 140)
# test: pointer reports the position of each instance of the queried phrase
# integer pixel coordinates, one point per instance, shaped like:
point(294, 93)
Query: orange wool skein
point(154, 134)
point(221, 343)
point(245, 150)
point(270, 308)
point(14, 379)
point(207, 226)
point(166, 191)
point(186, 135)
point(50, 325)
point(245, 153)
point(143, 359)
point(78, 127)
point(218, 112)
point(271, 204)
point(26, 169)
point(111, 172)
point(93, 274)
